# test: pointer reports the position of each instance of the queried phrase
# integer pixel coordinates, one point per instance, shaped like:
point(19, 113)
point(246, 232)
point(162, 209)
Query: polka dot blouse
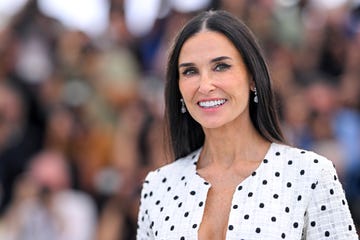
point(293, 194)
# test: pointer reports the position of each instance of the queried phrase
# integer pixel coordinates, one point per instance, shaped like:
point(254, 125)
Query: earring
point(256, 100)
point(183, 108)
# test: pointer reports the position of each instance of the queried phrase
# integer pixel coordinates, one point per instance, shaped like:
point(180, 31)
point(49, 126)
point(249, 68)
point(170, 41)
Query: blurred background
point(81, 102)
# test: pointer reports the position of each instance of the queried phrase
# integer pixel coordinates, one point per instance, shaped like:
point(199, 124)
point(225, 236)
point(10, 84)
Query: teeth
point(210, 104)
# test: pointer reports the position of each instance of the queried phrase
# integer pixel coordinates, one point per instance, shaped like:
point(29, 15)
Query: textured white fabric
point(293, 194)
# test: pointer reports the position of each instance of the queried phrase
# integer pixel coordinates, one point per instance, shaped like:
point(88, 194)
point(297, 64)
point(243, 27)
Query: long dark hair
point(184, 134)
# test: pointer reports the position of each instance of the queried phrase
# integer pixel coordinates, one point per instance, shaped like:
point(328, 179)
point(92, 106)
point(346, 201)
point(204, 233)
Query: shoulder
point(175, 170)
point(301, 158)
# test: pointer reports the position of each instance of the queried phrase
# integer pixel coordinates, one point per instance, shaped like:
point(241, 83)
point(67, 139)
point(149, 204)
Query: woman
point(234, 178)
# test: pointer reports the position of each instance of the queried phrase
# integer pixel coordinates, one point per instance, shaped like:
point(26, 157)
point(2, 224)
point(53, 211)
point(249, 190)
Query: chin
point(212, 125)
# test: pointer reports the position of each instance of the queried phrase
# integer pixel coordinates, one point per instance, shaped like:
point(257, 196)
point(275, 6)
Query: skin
point(211, 68)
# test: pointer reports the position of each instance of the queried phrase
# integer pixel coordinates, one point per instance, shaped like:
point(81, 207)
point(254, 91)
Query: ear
point(252, 85)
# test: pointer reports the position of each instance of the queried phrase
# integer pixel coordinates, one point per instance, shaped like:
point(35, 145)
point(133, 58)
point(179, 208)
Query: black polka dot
point(350, 227)
point(313, 186)
point(276, 196)
point(192, 193)
point(206, 183)
point(299, 198)
point(194, 225)
point(277, 153)
point(295, 225)
point(327, 233)
point(164, 180)
point(266, 161)
point(157, 202)
point(182, 238)
point(239, 188)
point(302, 172)
point(172, 228)
point(150, 194)
point(343, 202)
point(277, 174)
point(180, 204)
point(289, 184)
point(290, 162)
point(250, 194)
point(331, 191)
point(264, 182)
point(235, 206)
point(257, 230)
point(182, 178)
point(335, 177)
point(186, 214)
point(316, 161)
point(176, 197)
point(161, 209)
point(246, 216)
point(273, 219)
point(323, 208)
point(287, 209)
point(313, 223)
point(231, 227)
point(156, 233)
point(253, 173)
point(167, 218)
point(168, 189)
point(201, 204)
point(283, 235)
point(261, 205)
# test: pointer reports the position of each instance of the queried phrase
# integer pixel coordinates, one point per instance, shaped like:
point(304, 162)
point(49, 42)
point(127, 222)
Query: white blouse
point(293, 194)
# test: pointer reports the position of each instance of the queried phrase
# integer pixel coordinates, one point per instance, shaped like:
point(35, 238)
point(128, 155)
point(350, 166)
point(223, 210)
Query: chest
point(216, 213)
point(261, 207)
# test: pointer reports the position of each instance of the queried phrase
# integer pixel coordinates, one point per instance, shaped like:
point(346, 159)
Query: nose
point(206, 84)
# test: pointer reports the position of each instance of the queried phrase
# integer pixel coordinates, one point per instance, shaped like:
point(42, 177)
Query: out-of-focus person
point(44, 205)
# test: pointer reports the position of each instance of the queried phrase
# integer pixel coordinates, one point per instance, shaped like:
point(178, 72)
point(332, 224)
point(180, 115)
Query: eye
point(220, 67)
point(189, 71)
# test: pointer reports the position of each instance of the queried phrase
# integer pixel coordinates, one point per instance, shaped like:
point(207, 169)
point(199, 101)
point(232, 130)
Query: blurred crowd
point(81, 118)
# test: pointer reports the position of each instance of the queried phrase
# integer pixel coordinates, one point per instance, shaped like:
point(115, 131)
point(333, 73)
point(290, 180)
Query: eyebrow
point(217, 59)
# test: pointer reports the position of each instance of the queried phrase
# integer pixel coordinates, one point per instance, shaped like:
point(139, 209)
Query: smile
point(212, 103)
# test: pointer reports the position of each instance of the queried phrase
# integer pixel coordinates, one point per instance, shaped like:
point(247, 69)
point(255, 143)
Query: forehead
point(205, 45)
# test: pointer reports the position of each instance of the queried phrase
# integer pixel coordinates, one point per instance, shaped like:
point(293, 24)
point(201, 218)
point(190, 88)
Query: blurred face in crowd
point(213, 80)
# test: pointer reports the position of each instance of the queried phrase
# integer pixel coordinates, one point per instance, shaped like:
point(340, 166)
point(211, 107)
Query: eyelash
point(189, 71)
point(222, 66)
point(218, 68)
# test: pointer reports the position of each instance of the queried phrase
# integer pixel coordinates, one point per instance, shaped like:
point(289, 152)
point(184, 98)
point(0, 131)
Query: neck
point(229, 146)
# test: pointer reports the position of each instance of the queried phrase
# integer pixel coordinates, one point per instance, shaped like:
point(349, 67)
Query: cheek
point(186, 88)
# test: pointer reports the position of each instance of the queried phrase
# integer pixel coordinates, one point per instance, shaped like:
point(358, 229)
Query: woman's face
point(213, 80)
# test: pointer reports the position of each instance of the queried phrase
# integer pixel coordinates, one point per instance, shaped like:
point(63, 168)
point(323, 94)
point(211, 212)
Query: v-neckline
point(257, 169)
point(243, 183)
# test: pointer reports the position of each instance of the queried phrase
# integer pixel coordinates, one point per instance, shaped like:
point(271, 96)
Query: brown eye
point(189, 72)
point(221, 67)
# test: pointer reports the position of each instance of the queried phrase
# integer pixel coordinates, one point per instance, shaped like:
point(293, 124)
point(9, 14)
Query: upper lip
point(211, 99)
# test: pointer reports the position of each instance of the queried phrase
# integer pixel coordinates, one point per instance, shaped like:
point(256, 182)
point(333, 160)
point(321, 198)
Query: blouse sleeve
point(328, 215)
point(144, 231)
